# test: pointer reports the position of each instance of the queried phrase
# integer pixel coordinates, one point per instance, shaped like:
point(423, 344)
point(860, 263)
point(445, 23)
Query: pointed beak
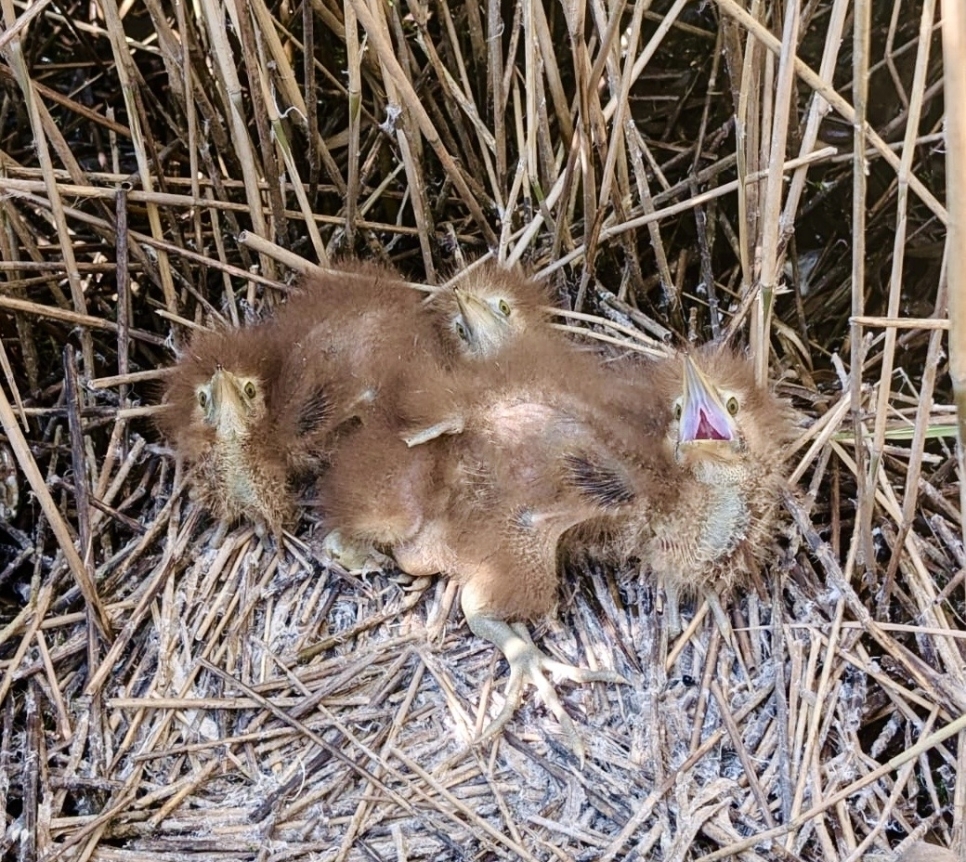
point(703, 416)
point(224, 389)
point(475, 312)
point(228, 406)
point(461, 300)
point(470, 307)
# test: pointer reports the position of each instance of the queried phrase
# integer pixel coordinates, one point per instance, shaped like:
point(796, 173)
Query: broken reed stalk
point(862, 539)
point(954, 56)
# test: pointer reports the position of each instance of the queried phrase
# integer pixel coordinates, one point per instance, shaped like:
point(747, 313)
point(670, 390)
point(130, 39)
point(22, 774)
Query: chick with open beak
point(726, 435)
point(703, 417)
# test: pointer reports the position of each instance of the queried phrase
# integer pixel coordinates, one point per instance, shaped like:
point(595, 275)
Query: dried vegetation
point(686, 170)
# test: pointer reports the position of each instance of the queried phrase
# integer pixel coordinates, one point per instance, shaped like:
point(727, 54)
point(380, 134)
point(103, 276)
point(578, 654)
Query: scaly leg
point(528, 664)
point(271, 534)
point(672, 595)
point(362, 558)
point(221, 531)
point(672, 599)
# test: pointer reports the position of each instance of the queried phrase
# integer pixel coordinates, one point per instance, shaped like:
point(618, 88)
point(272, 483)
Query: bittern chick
point(488, 505)
point(490, 312)
point(216, 413)
point(726, 437)
point(488, 308)
point(366, 326)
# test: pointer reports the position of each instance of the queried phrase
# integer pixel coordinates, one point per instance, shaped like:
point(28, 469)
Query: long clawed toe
point(529, 665)
point(355, 557)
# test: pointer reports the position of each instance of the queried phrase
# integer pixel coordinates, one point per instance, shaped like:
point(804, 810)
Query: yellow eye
point(202, 399)
point(677, 410)
point(732, 405)
point(504, 307)
point(250, 389)
point(461, 331)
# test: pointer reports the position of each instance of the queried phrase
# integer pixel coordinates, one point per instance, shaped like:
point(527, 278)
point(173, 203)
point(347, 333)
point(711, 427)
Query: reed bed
point(771, 173)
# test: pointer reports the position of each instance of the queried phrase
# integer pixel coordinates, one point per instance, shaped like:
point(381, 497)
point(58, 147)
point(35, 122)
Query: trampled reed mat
point(784, 178)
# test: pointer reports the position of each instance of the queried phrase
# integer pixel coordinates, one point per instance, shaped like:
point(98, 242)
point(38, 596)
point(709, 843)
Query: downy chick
point(217, 415)
point(488, 308)
point(724, 442)
point(365, 325)
point(487, 498)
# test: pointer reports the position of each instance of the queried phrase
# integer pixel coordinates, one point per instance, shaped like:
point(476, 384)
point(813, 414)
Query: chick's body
point(727, 439)
point(254, 409)
point(218, 416)
point(378, 493)
point(487, 499)
point(366, 328)
point(707, 519)
point(469, 327)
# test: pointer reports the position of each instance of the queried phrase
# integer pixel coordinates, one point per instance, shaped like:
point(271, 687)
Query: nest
point(672, 168)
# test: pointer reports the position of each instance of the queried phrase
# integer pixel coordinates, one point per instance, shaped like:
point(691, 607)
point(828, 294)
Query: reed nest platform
point(773, 173)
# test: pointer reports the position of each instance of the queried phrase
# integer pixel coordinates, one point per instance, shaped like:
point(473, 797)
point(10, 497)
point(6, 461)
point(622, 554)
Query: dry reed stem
point(955, 75)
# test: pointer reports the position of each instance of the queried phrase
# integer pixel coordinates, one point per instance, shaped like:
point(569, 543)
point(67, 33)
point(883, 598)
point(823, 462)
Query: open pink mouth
point(704, 416)
point(704, 423)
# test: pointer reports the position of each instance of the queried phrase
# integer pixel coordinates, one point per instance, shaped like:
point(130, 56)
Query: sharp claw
point(529, 664)
point(512, 696)
point(356, 558)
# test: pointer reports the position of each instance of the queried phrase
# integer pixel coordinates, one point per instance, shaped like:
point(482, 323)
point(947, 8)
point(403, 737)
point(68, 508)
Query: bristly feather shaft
point(599, 482)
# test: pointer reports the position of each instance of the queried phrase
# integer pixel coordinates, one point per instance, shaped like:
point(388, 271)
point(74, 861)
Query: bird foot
point(271, 534)
point(412, 584)
point(453, 425)
point(357, 558)
point(529, 664)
